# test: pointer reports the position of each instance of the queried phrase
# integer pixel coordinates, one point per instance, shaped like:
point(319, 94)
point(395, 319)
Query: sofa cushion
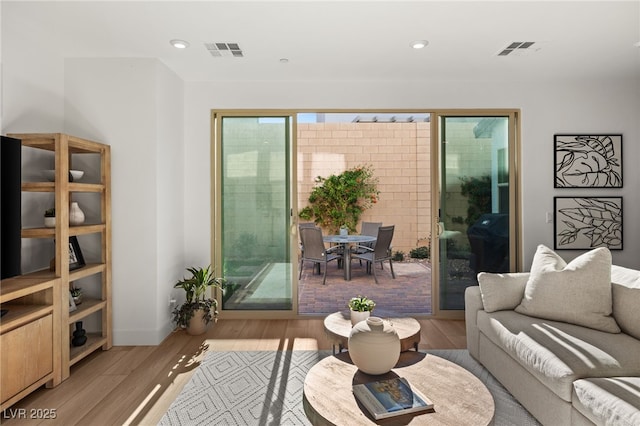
point(577, 293)
point(625, 286)
point(609, 401)
point(558, 353)
point(502, 291)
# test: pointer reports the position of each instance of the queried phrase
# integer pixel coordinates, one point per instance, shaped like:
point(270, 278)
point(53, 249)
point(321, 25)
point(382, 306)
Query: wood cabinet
point(43, 296)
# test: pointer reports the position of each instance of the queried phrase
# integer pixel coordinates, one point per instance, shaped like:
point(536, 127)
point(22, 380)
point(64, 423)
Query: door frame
point(515, 186)
point(515, 202)
point(216, 207)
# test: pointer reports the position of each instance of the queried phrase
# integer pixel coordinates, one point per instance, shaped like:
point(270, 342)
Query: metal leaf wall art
point(586, 161)
point(588, 222)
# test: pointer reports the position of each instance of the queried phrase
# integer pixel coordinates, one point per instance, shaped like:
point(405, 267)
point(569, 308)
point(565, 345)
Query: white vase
point(374, 346)
point(50, 222)
point(357, 316)
point(76, 215)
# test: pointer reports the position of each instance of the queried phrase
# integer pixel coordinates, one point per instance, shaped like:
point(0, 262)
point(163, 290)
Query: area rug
point(249, 388)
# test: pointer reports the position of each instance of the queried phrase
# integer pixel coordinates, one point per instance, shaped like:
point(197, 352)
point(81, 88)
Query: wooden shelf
point(86, 308)
point(94, 342)
point(19, 315)
point(86, 271)
point(24, 285)
point(51, 187)
point(73, 230)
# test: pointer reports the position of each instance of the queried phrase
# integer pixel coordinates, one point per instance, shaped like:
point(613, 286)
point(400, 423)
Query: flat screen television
point(10, 200)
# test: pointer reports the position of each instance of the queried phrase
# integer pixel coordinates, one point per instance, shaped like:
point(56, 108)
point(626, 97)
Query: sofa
point(564, 338)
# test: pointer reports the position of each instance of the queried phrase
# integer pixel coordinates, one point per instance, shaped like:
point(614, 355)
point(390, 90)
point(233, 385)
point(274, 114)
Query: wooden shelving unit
point(42, 296)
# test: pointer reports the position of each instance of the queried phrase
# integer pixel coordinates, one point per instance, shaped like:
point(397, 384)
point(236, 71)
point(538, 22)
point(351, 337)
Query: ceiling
point(343, 40)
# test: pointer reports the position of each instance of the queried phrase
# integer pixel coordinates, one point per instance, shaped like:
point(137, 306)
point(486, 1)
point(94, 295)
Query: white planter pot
point(197, 325)
point(357, 316)
point(50, 222)
point(374, 346)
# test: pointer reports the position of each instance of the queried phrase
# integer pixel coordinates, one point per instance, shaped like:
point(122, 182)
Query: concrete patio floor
point(408, 294)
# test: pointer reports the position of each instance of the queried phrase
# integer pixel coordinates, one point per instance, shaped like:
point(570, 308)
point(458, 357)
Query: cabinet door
point(27, 356)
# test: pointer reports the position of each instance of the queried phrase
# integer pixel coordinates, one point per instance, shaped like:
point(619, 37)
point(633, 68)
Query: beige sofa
point(564, 339)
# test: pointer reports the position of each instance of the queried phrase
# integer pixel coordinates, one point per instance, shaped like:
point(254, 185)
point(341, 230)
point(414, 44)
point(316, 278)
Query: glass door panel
point(474, 219)
point(254, 211)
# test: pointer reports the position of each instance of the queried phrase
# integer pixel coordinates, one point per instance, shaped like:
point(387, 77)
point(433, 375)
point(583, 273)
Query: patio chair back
point(370, 228)
point(382, 248)
point(313, 250)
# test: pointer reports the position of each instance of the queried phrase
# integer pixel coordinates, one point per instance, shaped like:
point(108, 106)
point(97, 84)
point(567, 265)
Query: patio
point(408, 294)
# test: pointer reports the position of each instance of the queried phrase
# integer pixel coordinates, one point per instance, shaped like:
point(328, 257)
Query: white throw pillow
point(625, 286)
point(502, 292)
point(577, 293)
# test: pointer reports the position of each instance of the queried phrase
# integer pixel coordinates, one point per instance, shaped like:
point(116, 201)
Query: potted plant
point(360, 307)
point(76, 293)
point(50, 218)
point(198, 309)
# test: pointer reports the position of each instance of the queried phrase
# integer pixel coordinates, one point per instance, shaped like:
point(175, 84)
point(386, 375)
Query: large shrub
point(339, 200)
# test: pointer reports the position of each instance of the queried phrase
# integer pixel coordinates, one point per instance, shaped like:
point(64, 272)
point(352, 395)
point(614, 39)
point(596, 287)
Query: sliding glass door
point(476, 220)
point(253, 211)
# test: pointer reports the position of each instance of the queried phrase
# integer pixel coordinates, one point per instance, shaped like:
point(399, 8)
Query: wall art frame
point(76, 259)
point(588, 161)
point(584, 223)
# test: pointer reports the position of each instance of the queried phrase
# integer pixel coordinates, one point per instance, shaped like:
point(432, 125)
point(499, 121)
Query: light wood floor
point(135, 385)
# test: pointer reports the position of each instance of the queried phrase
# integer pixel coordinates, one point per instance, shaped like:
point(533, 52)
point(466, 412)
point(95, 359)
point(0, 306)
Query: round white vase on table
point(374, 346)
point(76, 215)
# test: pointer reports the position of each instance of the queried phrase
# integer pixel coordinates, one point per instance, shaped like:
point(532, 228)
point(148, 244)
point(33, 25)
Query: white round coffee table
point(459, 397)
point(338, 327)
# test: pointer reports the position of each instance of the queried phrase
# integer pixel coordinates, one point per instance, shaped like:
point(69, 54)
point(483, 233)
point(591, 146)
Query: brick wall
point(399, 154)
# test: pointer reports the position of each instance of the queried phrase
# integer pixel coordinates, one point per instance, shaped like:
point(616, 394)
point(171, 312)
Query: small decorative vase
point(76, 215)
point(50, 222)
point(374, 346)
point(344, 232)
point(79, 335)
point(197, 325)
point(77, 299)
point(357, 316)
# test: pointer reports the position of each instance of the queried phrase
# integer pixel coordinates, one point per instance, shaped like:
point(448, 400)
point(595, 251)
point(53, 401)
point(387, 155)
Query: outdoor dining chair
point(314, 250)
point(380, 252)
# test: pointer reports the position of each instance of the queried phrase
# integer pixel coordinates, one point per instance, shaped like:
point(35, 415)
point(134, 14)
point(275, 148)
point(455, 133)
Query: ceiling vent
point(519, 48)
point(224, 49)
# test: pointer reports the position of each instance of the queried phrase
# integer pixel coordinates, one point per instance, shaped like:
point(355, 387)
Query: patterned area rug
point(265, 388)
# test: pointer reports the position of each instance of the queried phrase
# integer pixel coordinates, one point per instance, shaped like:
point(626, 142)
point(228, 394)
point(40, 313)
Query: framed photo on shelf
point(584, 223)
point(76, 260)
point(588, 161)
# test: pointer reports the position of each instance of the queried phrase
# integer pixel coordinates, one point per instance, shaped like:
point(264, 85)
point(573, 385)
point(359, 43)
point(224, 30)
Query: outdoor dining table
point(346, 241)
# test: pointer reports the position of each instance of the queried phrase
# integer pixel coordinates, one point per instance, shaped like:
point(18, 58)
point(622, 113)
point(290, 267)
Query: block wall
point(399, 154)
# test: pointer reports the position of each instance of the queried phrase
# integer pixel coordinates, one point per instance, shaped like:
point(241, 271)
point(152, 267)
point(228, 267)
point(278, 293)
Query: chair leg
point(375, 277)
point(300, 272)
point(324, 277)
point(391, 267)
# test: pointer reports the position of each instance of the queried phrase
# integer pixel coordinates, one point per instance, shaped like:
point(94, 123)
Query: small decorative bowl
point(50, 175)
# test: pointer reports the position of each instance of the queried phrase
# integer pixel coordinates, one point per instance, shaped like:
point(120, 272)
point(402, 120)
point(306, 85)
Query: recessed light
point(284, 60)
point(419, 44)
point(179, 44)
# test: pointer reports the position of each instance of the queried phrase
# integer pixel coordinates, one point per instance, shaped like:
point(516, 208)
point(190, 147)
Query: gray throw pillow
point(577, 293)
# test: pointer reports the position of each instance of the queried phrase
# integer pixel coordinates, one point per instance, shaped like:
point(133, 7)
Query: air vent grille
point(518, 48)
point(224, 49)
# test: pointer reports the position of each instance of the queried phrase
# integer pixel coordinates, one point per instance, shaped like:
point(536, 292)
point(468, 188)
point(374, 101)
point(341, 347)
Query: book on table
point(393, 397)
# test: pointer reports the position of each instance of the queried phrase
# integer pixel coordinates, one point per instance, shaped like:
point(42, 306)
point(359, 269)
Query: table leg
point(347, 262)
